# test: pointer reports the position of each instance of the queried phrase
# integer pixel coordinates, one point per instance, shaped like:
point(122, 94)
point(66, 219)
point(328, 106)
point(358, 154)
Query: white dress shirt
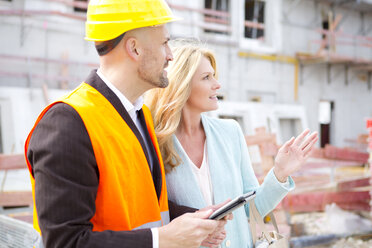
point(132, 111)
point(129, 107)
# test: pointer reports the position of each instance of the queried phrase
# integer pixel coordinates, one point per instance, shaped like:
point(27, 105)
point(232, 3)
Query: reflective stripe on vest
point(164, 221)
point(126, 197)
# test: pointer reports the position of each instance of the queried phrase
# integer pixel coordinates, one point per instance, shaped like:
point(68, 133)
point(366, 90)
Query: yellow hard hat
point(107, 19)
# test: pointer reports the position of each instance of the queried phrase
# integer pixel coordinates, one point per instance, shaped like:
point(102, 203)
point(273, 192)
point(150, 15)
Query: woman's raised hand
point(293, 154)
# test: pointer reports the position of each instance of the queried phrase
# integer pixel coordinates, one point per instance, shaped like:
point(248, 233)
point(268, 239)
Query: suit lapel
point(156, 172)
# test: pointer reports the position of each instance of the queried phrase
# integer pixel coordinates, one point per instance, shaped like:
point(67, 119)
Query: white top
point(129, 107)
point(203, 177)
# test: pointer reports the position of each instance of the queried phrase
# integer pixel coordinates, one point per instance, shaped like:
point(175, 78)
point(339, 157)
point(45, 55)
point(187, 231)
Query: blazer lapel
point(218, 166)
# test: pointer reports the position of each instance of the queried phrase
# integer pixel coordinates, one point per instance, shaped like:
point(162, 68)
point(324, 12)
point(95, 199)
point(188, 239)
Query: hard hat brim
point(97, 31)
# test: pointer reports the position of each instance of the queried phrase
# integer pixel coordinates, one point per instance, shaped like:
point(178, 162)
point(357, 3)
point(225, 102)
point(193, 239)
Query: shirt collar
point(129, 107)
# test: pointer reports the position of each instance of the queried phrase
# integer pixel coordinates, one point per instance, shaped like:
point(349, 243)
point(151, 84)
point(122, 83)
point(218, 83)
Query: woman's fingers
point(310, 146)
point(285, 147)
point(301, 142)
point(308, 140)
point(299, 139)
point(214, 240)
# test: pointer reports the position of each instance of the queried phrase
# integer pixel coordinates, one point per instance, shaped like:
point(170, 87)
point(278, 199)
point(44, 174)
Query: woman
point(207, 158)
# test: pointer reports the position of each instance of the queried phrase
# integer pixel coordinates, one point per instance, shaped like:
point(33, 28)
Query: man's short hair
point(104, 47)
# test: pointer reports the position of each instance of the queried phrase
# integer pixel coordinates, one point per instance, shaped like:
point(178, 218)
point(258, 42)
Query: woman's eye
point(206, 77)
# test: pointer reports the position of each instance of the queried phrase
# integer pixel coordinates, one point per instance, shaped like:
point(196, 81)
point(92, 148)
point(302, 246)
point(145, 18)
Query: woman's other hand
point(293, 154)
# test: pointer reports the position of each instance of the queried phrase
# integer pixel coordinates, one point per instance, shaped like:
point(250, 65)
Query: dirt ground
point(347, 243)
point(317, 223)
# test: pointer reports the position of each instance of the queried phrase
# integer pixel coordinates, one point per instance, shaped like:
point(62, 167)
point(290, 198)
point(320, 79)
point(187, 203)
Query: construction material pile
point(332, 228)
point(352, 243)
point(330, 206)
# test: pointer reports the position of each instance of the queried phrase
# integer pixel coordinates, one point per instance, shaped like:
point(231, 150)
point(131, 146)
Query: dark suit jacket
point(67, 178)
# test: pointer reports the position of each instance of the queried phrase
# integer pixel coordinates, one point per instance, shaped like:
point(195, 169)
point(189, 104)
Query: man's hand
point(188, 230)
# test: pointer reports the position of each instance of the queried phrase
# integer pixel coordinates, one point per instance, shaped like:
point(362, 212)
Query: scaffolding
point(213, 20)
point(219, 21)
point(333, 37)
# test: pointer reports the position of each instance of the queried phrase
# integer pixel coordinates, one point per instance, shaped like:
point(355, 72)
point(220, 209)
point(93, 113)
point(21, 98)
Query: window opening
point(254, 19)
point(218, 18)
point(80, 9)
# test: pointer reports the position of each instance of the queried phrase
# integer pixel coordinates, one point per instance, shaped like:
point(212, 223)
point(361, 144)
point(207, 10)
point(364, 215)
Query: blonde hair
point(166, 104)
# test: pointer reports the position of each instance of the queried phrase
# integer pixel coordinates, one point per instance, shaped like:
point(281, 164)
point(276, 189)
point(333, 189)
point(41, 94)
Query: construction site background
point(284, 65)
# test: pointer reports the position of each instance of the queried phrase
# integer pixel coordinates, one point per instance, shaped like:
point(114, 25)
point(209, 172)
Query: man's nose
point(169, 54)
point(170, 57)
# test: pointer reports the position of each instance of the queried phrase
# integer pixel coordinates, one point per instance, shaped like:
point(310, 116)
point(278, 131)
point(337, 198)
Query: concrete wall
point(242, 78)
point(353, 101)
point(289, 27)
point(45, 37)
point(19, 109)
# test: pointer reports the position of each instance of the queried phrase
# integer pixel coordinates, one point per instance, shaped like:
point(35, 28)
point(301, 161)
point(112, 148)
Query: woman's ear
point(131, 46)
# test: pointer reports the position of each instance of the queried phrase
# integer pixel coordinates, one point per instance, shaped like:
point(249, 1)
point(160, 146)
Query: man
point(96, 170)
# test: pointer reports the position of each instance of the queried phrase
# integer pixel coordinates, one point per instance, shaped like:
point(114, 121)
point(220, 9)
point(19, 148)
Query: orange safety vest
point(126, 197)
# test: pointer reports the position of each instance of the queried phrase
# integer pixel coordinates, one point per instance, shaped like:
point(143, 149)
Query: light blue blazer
point(231, 174)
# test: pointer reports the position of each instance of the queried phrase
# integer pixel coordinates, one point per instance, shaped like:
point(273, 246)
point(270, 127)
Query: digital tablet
point(232, 205)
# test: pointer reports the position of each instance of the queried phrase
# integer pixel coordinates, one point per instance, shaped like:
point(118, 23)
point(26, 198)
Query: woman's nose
point(216, 85)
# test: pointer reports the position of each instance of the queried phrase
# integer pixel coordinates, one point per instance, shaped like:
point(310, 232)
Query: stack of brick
point(333, 175)
point(369, 127)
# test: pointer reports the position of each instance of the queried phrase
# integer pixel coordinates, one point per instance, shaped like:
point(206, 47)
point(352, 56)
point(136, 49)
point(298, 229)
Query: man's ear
point(131, 46)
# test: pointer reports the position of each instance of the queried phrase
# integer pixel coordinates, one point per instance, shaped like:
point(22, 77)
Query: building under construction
point(284, 65)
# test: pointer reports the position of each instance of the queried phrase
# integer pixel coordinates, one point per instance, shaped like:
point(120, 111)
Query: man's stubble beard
point(159, 81)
